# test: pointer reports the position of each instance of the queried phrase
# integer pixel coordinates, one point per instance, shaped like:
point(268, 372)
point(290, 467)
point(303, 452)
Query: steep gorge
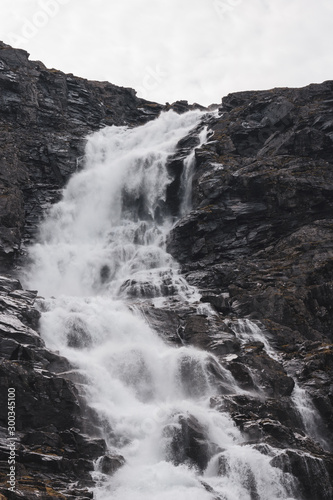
point(257, 243)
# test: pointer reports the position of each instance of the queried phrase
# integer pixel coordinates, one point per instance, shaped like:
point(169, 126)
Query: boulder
point(110, 464)
point(188, 442)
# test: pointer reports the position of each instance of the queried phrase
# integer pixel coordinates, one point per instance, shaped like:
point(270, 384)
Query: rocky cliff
point(257, 243)
point(260, 236)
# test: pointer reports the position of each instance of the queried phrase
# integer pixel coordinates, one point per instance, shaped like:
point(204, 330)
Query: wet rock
point(247, 479)
point(311, 364)
point(219, 302)
point(211, 490)
point(273, 422)
point(254, 368)
point(183, 325)
point(77, 336)
point(110, 464)
point(189, 442)
point(242, 374)
point(311, 472)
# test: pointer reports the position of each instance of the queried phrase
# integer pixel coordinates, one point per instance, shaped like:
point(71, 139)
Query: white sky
point(198, 50)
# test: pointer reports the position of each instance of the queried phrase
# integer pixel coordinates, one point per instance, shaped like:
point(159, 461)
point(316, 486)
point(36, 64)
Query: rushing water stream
point(101, 248)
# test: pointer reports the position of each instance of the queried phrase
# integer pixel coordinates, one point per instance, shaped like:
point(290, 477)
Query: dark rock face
point(260, 232)
point(308, 472)
point(261, 225)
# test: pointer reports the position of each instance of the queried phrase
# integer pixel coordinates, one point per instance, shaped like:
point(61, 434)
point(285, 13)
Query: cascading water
point(187, 175)
point(248, 331)
point(100, 249)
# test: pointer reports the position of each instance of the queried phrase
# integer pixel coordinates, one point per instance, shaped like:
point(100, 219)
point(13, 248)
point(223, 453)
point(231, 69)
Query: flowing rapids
point(100, 250)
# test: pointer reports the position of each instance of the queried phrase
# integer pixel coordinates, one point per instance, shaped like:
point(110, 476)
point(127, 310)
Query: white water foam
point(102, 244)
point(187, 176)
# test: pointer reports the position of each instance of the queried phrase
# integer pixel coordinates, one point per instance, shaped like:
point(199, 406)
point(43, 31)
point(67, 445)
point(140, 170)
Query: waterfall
point(100, 251)
point(187, 175)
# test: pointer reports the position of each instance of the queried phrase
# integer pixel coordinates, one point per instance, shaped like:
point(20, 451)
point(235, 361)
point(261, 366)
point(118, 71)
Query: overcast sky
point(198, 50)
